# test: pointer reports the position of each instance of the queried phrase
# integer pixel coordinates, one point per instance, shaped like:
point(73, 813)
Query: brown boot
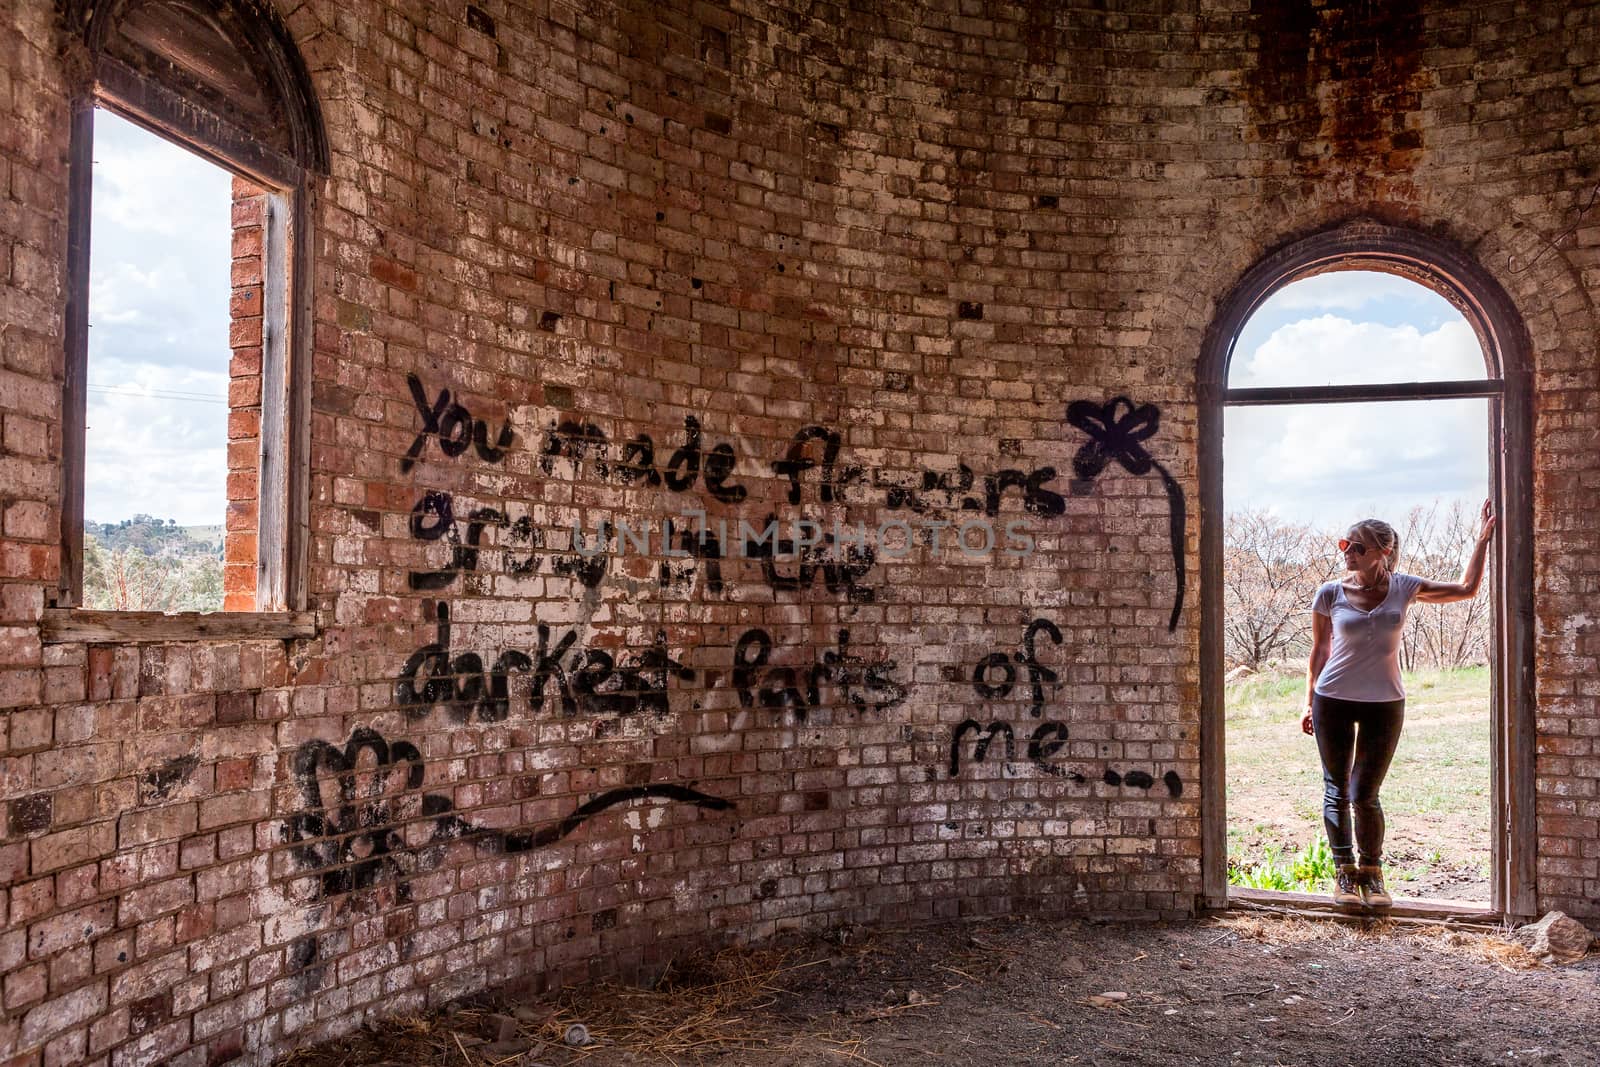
point(1370, 880)
point(1347, 887)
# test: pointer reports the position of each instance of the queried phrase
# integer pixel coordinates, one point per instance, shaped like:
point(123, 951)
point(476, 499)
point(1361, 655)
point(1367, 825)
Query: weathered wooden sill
point(1309, 904)
point(60, 625)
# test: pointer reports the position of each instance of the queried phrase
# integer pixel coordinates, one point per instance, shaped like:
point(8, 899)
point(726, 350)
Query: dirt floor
point(1239, 989)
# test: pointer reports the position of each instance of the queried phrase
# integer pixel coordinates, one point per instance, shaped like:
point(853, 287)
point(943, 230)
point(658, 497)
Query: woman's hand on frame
point(1305, 722)
point(1487, 521)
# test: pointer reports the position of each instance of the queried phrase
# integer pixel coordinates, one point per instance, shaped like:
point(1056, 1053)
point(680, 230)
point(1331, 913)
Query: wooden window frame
point(283, 462)
point(1450, 272)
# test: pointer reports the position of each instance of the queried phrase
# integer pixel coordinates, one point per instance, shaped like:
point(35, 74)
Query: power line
point(158, 394)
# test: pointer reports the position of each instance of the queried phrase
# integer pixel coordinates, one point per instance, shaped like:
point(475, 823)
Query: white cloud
point(1346, 290)
point(147, 185)
point(160, 250)
point(1330, 464)
point(151, 451)
point(1329, 350)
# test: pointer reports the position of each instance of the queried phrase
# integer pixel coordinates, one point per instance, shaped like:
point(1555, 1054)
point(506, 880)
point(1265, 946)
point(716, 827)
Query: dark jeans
point(1356, 740)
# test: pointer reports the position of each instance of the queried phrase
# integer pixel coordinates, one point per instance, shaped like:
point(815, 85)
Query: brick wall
point(630, 264)
point(245, 304)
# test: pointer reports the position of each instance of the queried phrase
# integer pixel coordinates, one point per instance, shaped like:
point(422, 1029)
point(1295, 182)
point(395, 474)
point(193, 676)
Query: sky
point(1331, 465)
point(160, 251)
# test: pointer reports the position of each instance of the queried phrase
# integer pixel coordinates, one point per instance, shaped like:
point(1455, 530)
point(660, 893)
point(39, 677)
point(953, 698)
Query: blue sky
point(1330, 465)
point(160, 253)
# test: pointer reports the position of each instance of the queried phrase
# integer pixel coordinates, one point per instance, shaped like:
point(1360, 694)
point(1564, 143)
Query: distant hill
point(156, 537)
point(150, 564)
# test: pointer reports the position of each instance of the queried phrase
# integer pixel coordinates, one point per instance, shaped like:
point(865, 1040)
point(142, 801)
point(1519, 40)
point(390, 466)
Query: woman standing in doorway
point(1355, 702)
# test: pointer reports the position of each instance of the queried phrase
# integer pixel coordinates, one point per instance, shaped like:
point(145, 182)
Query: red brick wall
point(929, 234)
point(239, 555)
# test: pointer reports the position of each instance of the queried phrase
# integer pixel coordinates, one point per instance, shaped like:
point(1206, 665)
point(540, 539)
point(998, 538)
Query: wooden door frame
point(1448, 270)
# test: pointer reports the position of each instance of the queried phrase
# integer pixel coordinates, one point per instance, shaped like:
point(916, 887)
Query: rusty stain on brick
point(225, 1049)
point(354, 316)
point(392, 273)
point(1338, 82)
point(333, 398)
point(146, 1013)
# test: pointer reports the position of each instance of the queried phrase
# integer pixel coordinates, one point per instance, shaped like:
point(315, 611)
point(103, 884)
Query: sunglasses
point(1345, 545)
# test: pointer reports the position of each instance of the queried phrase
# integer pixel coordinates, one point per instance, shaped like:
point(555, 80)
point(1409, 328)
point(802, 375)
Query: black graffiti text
point(434, 518)
point(1047, 739)
point(587, 681)
point(452, 425)
point(996, 675)
point(686, 465)
point(840, 561)
point(860, 683)
point(956, 491)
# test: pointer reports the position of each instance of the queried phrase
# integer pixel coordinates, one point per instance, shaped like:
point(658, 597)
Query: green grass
point(1435, 799)
point(1310, 871)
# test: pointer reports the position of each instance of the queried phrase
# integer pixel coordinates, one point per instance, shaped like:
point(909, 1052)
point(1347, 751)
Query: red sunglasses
point(1345, 545)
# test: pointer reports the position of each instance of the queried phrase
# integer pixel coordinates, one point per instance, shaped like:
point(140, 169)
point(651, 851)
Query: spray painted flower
point(365, 817)
point(1117, 431)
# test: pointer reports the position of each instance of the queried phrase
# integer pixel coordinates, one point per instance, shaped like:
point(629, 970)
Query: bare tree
point(1270, 570)
point(130, 579)
point(1435, 544)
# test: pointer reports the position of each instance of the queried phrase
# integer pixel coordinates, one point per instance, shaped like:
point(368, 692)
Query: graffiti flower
point(1117, 431)
point(364, 813)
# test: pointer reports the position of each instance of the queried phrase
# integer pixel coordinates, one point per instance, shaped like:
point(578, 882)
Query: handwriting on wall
point(1117, 430)
point(593, 682)
point(857, 682)
point(584, 444)
point(996, 678)
point(376, 820)
point(452, 426)
point(558, 672)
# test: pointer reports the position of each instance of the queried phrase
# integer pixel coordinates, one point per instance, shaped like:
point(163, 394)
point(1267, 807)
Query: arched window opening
point(188, 248)
point(1312, 417)
point(1296, 476)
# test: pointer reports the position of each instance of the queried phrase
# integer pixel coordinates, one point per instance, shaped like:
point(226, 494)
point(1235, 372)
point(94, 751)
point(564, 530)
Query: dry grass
point(1271, 929)
point(1486, 946)
point(712, 1009)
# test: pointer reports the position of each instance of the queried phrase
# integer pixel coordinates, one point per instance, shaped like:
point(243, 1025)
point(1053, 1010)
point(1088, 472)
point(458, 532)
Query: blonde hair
point(1376, 532)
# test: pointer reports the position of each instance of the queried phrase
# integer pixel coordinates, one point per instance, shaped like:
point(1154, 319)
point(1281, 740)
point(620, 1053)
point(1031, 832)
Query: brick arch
point(1516, 252)
point(231, 63)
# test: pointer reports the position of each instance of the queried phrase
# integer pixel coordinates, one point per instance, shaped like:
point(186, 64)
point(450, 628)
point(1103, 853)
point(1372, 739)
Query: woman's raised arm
point(1467, 587)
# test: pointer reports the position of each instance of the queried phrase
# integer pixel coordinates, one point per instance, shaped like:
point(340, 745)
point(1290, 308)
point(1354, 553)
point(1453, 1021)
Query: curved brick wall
point(622, 264)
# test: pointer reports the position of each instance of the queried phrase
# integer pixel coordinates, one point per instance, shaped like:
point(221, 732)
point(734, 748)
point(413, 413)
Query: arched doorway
point(1444, 269)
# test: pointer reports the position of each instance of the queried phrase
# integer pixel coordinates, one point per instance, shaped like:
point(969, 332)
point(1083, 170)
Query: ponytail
point(1383, 536)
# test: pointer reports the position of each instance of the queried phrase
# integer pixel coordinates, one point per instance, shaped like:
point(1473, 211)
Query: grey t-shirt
point(1364, 663)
